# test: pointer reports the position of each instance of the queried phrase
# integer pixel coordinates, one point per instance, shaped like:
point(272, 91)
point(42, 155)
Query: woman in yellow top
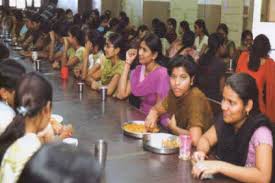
point(111, 66)
point(189, 108)
point(33, 103)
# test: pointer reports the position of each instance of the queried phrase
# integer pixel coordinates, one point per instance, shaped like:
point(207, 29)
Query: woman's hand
point(130, 56)
point(77, 72)
point(151, 120)
point(198, 156)
point(172, 123)
point(204, 169)
point(46, 135)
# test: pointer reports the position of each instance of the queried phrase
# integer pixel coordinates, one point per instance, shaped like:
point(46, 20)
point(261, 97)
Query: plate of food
point(57, 118)
point(161, 143)
point(136, 129)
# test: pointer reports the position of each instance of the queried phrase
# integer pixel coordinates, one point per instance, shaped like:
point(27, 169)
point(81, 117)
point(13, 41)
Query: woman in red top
point(261, 67)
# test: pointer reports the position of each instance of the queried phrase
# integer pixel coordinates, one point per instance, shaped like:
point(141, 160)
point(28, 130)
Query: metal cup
point(80, 86)
point(101, 148)
point(34, 55)
point(103, 91)
point(37, 65)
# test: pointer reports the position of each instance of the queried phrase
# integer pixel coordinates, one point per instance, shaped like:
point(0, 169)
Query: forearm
point(84, 69)
point(51, 50)
point(64, 57)
point(244, 174)
point(122, 85)
point(203, 145)
point(180, 131)
point(113, 85)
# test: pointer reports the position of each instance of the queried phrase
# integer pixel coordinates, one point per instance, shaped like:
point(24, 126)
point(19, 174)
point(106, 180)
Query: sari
point(150, 88)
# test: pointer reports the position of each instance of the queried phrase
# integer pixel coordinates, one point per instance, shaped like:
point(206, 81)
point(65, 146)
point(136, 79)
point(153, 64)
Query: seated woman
point(201, 40)
point(40, 43)
point(230, 45)
point(58, 31)
point(148, 81)
point(190, 110)
point(92, 55)
point(242, 136)
point(160, 31)
point(111, 66)
point(177, 44)
point(261, 67)
point(10, 73)
point(211, 75)
point(62, 162)
point(33, 103)
point(246, 43)
point(76, 41)
point(187, 47)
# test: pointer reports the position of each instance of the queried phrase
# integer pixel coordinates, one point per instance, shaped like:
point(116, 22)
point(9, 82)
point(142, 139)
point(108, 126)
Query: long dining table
point(93, 119)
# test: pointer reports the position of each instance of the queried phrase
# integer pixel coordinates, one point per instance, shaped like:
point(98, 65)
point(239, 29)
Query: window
point(12, 3)
point(29, 3)
point(37, 3)
point(1, 2)
point(21, 4)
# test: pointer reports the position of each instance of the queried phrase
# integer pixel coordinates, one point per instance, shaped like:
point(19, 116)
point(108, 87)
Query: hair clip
point(22, 110)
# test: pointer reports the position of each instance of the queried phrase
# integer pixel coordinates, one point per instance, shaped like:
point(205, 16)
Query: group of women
point(172, 91)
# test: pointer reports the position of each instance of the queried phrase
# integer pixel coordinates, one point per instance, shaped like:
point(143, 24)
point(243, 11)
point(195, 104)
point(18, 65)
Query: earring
point(247, 113)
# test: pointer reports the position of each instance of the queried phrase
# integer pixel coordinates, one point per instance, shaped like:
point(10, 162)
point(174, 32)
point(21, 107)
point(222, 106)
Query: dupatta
point(156, 82)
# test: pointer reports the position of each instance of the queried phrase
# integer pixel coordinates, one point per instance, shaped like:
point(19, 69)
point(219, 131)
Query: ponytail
point(15, 130)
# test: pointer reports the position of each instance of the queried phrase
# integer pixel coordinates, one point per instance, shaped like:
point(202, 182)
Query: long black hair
point(96, 39)
point(186, 62)
point(246, 88)
point(76, 32)
point(154, 44)
point(61, 163)
point(260, 49)
point(185, 26)
point(215, 41)
point(32, 94)
point(117, 40)
point(10, 72)
point(201, 24)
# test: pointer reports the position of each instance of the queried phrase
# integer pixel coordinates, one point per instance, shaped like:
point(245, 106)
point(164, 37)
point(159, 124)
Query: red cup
point(64, 72)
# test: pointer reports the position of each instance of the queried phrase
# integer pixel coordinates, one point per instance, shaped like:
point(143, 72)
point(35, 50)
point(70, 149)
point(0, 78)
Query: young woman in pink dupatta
point(148, 81)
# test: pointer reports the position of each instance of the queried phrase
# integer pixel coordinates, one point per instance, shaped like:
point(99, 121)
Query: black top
point(209, 76)
point(233, 146)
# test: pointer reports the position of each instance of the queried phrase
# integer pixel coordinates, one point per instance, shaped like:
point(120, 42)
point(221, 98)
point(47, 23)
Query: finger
point(196, 172)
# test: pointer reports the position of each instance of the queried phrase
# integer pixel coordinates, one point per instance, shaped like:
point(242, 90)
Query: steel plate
point(131, 134)
point(153, 143)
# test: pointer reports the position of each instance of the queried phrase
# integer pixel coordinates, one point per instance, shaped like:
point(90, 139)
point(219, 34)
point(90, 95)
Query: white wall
point(134, 9)
point(266, 28)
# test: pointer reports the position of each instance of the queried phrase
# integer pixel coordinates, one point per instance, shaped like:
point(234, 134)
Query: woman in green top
point(111, 66)
point(189, 108)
